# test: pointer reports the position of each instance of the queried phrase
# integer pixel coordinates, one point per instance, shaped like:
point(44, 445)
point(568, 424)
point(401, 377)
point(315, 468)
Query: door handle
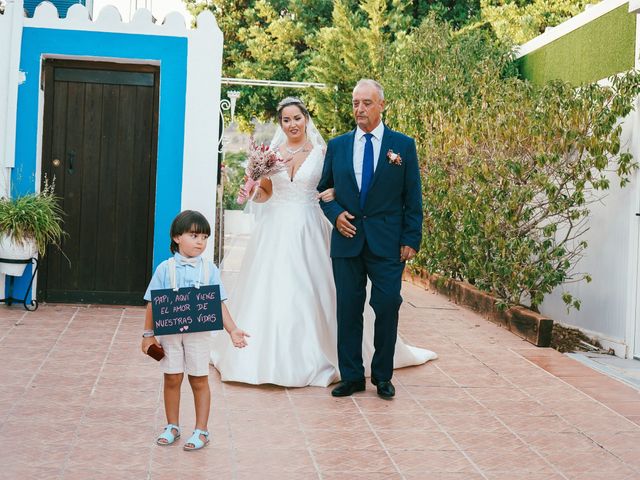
point(71, 158)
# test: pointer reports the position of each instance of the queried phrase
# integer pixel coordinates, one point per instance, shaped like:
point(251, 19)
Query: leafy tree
point(266, 40)
point(356, 46)
point(518, 21)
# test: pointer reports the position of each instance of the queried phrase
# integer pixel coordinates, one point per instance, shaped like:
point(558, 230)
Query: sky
point(159, 8)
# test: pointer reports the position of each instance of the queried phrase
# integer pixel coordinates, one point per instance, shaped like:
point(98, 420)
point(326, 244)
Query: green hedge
point(599, 49)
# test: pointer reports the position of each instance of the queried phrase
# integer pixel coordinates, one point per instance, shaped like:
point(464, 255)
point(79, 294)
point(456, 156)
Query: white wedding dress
point(283, 294)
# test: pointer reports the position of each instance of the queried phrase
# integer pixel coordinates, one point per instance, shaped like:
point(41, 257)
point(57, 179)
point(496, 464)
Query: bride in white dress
point(284, 294)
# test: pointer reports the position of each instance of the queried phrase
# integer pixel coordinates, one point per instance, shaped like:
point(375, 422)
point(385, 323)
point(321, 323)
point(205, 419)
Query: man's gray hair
point(373, 83)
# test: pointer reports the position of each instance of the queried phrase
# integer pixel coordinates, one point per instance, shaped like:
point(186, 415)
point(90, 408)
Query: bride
point(284, 294)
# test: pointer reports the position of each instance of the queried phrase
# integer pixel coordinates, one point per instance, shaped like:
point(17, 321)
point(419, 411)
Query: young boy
point(187, 352)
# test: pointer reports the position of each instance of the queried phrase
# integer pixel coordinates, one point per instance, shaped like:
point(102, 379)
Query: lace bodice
point(303, 188)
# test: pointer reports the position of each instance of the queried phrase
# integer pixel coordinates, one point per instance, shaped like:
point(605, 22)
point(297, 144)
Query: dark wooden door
point(99, 144)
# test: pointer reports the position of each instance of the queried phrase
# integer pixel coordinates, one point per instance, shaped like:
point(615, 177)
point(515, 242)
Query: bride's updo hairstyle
point(286, 102)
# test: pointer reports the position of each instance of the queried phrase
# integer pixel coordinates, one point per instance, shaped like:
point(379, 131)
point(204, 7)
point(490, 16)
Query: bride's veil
point(236, 242)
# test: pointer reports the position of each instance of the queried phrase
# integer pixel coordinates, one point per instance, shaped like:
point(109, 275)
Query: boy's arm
point(238, 337)
point(148, 325)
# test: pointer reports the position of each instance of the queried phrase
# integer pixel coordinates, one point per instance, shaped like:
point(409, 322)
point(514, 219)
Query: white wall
point(610, 259)
point(10, 39)
point(158, 8)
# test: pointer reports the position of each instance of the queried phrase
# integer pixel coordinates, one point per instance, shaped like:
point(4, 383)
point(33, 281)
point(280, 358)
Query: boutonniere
point(394, 158)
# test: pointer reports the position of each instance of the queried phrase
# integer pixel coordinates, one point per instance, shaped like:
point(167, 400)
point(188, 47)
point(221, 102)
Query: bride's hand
point(247, 190)
point(328, 195)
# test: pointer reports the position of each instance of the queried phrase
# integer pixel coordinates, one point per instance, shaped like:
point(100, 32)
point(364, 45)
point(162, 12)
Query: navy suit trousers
point(350, 275)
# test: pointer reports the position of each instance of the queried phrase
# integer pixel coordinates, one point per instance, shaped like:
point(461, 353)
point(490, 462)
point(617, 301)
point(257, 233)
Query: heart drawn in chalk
point(185, 328)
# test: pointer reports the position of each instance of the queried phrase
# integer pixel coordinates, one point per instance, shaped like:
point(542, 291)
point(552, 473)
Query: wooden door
point(99, 144)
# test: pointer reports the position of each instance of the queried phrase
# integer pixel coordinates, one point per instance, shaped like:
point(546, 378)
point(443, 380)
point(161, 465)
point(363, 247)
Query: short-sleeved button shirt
point(189, 272)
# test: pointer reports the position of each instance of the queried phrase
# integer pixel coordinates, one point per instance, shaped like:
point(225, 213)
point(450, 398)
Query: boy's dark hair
point(188, 221)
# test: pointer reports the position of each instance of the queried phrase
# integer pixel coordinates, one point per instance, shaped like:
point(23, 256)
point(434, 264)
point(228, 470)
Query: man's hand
point(238, 338)
point(406, 253)
point(343, 225)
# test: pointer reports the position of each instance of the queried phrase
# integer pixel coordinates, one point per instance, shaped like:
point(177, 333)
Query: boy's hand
point(238, 338)
point(147, 342)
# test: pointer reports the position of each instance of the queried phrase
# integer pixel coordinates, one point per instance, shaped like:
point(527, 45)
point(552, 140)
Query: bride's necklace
point(293, 151)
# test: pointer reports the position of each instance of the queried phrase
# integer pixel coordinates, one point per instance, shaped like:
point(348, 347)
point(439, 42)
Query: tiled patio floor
point(79, 401)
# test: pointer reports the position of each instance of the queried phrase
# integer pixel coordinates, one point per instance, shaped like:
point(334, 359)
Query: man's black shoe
point(346, 388)
point(386, 389)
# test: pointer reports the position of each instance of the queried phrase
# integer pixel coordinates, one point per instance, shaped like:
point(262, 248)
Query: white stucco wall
point(610, 260)
point(10, 38)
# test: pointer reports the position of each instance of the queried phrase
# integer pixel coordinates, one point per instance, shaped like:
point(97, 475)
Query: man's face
point(367, 107)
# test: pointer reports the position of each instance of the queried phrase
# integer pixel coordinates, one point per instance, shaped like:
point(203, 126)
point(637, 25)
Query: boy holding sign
point(174, 295)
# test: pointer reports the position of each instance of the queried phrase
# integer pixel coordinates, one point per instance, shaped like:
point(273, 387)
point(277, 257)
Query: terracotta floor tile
point(443, 476)
point(553, 442)
point(343, 440)
point(277, 475)
point(625, 408)
point(432, 461)
point(81, 473)
point(363, 476)
point(96, 411)
point(272, 461)
point(473, 441)
point(29, 472)
point(399, 404)
point(484, 394)
point(325, 421)
point(576, 463)
point(400, 421)
point(466, 406)
point(304, 403)
point(358, 461)
point(468, 423)
point(508, 458)
point(415, 440)
point(601, 423)
point(523, 476)
point(534, 424)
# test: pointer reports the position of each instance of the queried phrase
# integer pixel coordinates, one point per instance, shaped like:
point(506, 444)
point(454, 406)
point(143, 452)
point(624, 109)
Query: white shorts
point(186, 353)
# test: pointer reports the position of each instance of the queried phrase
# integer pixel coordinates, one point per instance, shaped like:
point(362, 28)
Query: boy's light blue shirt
point(188, 272)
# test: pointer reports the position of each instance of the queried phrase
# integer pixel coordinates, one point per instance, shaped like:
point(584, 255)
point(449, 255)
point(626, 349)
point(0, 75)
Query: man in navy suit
point(377, 219)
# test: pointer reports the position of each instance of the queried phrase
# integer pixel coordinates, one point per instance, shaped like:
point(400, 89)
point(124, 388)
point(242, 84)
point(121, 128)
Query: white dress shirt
point(358, 150)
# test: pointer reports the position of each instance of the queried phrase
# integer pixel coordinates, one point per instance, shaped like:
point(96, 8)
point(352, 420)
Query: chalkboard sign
point(186, 310)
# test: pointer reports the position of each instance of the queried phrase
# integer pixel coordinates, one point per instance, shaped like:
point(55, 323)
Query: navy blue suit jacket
point(392, 213)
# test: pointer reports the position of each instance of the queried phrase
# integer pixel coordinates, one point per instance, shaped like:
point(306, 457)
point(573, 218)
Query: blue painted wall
point(171, 52)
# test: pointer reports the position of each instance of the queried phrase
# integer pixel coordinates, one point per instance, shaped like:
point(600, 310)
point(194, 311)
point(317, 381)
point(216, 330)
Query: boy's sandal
point(168, 437)
point(196, 441)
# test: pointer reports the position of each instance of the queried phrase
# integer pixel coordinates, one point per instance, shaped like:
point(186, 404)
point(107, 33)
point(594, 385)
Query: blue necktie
point(367, 168)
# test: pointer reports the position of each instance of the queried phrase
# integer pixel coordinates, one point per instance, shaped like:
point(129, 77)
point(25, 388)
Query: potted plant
point(28, 223)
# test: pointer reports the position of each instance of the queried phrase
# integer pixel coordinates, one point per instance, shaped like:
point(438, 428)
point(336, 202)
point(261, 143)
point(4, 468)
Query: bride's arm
point(263, 191)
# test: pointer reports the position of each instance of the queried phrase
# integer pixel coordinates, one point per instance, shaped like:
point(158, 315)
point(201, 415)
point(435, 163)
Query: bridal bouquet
point(262, 162)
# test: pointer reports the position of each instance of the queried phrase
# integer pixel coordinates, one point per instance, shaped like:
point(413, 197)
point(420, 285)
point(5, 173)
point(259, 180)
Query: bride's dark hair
point(286, 102)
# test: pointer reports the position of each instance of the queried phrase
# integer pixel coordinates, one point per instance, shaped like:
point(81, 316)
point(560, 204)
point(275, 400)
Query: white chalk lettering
point(206, 296)
point(161, 299)
point(182, 297)
point(211, 318)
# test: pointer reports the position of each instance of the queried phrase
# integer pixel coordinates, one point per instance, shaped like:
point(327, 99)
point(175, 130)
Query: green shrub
point(34, 215)
point(509, 169)
point(233, 179)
